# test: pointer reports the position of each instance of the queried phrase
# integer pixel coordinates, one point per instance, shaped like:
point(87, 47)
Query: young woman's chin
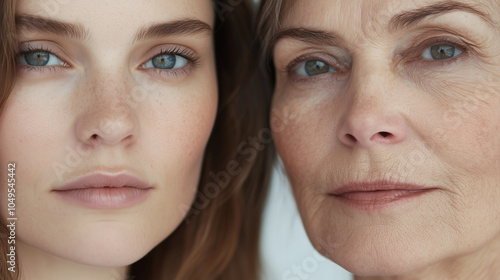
point(106, 244)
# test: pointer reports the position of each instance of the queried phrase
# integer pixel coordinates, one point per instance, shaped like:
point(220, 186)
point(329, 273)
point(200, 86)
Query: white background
point(284, 243)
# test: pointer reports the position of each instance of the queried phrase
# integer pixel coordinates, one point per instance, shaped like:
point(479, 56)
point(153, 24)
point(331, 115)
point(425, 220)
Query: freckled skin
point(440, 121)
point(106, 112)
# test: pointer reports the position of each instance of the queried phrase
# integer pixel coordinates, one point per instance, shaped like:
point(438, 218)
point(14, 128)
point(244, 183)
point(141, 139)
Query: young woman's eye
point(314, 68)
point(40, 59)
point(166, 61)
point(441, 52)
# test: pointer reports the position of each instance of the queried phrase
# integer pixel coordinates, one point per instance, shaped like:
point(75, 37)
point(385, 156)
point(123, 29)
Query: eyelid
point(185, 52)
point(29, 47)
point(427, 53)
point(190, 55)
point(415, 52)
point(330, 60)
point(327, 58)
point(149, 63)
point(22, 58)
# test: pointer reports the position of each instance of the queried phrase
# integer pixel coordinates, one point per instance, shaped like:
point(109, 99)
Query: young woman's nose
point(372, 117)
point(109, 116)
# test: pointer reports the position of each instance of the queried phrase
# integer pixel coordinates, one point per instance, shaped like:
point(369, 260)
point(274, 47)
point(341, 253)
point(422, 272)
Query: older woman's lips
point(376, 195)
point(105, 191)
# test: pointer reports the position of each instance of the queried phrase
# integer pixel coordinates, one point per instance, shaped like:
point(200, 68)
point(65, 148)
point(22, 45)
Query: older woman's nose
point(372, 118)
point(109, 117)
point(367, 129)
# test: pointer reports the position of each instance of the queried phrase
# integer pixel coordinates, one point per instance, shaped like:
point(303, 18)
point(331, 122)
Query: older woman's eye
point(441, 52)
point(39, 59)
point(166, 61)
point(314, 68)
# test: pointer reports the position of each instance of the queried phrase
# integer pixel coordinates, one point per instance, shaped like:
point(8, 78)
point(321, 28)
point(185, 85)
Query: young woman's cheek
point(26, 115)
point(21, 139)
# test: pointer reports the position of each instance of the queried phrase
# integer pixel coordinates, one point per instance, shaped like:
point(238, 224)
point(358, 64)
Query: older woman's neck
point(35, 264)
point(482, 264)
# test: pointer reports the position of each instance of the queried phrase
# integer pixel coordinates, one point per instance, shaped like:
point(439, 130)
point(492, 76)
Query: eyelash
point(292, 67)
point(31, 49)
point(417, 50)
point(189, 55)
point(414, 52)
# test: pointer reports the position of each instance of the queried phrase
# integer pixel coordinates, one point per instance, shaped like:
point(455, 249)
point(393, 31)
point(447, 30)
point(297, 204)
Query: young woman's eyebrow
point(310, 36)
point(78, 32)
point(412, 17)
point(50, 26)
point(178, 27)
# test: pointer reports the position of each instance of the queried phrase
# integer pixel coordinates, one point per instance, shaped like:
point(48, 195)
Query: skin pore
point(401, 93)
point(110, 88)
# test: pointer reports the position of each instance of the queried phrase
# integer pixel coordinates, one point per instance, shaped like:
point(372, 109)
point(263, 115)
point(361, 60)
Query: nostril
point(384, 134)
point(351, 137)
point(94, 136)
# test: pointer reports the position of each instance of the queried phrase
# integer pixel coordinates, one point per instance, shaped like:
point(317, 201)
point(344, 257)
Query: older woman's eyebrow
point(178, 27)
point(311, 36)
point(409, 18)
point(50, 26)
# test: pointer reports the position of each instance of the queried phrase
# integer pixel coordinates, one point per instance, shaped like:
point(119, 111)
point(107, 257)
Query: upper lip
point(101, 180)
point(373, 186)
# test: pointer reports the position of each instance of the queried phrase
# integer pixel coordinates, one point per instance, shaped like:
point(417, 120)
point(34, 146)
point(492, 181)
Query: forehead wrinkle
point(324, 17)
point(374, 16)
point(310, 36)
point(413, 17)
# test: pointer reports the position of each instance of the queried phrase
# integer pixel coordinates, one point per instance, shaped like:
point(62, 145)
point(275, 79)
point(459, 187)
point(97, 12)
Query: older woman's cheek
point(460, 107)
point(466, 140)
point(304, 134)
point(290, 123)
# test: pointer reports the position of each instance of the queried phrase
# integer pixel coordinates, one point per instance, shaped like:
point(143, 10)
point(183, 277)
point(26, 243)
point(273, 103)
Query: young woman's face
point(107, 124)
point(391, 132)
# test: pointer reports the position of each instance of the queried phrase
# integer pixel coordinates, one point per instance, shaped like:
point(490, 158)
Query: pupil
point(37, 58)
point(164, 61)
point(442, 52)
point(316, 67)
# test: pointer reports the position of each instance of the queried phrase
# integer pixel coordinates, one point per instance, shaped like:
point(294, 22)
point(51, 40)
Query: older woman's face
point(389, 128)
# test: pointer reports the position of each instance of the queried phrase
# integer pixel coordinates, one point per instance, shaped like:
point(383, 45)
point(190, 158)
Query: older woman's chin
point(378, 253)
point(379, 262)
point(420, 260)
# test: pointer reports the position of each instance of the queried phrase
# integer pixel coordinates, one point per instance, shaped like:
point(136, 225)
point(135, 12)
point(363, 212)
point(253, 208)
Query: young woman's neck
point(482, 264)
point(36, 264)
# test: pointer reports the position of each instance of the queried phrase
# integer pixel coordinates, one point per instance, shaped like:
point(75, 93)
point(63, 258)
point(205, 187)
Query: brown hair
point(221, 239)
point(269, 17)
point(220, 235)
point(7, 49)
point(7, 73)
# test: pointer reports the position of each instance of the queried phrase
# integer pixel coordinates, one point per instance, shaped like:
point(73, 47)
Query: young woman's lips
point(377, 195)
point(105, 191)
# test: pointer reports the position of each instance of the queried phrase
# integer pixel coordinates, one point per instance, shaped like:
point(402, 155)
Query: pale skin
point(101, 105)
point(401, 93)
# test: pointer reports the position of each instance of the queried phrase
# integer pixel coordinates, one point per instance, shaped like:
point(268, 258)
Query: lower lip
point(373, 200)
point(112, 198)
